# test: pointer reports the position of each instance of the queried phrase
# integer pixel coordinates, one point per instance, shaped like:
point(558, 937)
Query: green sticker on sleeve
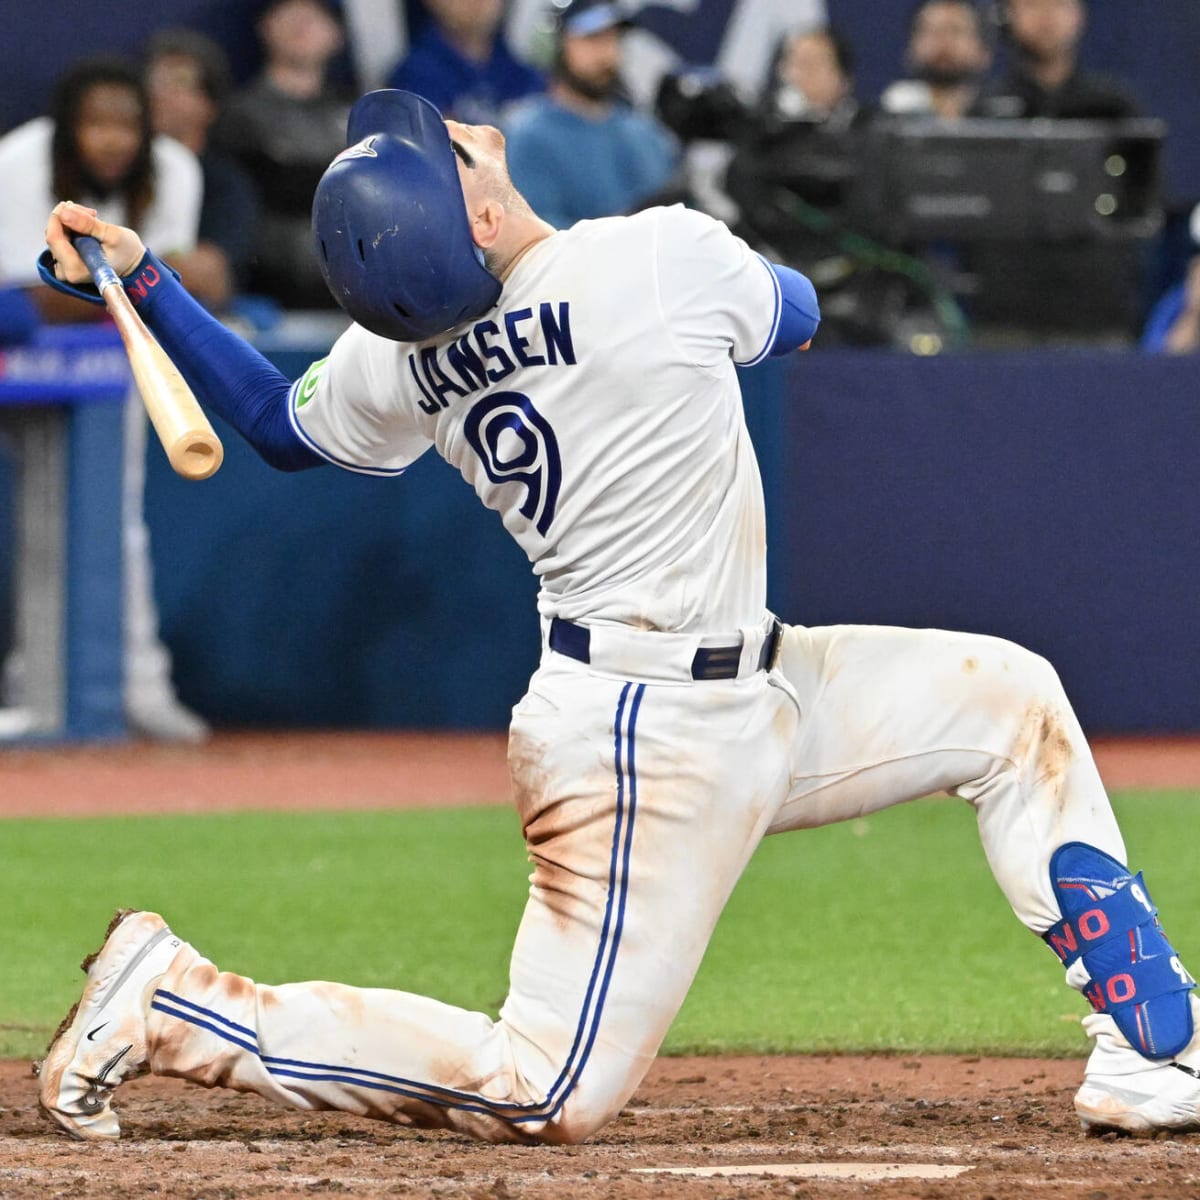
point(308, 385)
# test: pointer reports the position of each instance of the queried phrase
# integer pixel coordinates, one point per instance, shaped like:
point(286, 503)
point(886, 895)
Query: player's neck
point(525, 233)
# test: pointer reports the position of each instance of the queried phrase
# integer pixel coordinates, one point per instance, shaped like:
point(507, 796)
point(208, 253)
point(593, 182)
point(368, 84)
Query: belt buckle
point(717, 662)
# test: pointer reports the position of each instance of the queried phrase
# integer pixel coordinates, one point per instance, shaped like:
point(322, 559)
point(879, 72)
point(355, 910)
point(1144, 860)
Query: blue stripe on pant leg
point(624, 890)
point(624, 766)
point(180, 1002)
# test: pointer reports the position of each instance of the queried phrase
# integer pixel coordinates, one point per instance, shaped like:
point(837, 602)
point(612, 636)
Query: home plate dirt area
point(894, 1127)
point(739, 1127)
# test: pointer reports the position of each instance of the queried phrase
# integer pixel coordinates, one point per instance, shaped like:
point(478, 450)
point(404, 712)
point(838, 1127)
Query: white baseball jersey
point(631, 326)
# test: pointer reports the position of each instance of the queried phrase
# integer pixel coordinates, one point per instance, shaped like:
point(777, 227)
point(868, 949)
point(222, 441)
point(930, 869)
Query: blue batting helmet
point(390, 223)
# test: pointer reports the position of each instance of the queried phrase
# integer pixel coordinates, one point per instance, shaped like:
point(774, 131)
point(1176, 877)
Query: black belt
point(709, 662)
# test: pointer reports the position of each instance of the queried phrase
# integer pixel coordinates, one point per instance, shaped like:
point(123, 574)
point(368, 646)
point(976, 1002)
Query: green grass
point(890, 934)
point(886, 933)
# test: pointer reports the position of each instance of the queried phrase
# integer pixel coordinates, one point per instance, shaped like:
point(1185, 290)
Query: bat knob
point(197, 455)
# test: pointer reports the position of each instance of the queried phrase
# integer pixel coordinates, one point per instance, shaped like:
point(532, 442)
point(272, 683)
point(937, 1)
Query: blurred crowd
point(995, 193)
point(749, 110)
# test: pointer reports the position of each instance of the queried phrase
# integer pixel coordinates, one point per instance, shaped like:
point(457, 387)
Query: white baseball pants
point(641, 803)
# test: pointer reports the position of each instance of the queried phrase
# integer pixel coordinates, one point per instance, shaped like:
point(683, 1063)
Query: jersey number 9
point(516, 445)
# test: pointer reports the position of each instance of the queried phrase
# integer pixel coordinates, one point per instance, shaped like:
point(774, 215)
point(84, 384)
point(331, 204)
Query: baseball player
point(584, 384)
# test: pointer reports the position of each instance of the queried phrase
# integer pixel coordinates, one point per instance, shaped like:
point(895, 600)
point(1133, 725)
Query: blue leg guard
point(1110, 922)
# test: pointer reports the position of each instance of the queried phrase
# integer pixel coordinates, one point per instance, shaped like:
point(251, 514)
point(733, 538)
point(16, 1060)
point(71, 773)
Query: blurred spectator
point(284, 128)
point(1173, 326)
point(814, 79)
point(795, 155)
point(1045, 79)
point(947, 57)
point(580, 151)
point(187, 79)
point(462, 63)
point(798, 135)
point(1079, 289)
point(96, 147)
point(735, 38)
point(948, 54)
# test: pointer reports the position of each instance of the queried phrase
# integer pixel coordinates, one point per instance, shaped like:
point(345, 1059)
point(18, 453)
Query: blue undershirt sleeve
point(232, 378)
point(800, 313)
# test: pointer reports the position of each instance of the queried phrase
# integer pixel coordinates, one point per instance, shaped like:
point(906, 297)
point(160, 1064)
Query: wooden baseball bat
point(193, 449)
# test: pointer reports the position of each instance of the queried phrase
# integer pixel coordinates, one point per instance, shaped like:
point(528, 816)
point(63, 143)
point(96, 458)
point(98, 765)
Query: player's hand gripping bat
point(192, 447)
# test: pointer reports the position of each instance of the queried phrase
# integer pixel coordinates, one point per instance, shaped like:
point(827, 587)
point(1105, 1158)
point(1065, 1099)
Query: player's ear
point(486, 222)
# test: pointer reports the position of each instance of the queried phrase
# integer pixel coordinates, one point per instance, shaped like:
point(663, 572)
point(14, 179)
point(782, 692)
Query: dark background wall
point(1048, 498)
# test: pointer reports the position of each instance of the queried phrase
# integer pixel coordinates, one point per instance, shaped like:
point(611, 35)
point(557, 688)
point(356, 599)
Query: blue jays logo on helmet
point(390, 223)
point(363, 149)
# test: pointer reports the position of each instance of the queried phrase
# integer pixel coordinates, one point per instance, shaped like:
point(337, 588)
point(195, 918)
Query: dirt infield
point(895, 1127)
point(365, 770)
point(260, 771)
point(1006, 1124)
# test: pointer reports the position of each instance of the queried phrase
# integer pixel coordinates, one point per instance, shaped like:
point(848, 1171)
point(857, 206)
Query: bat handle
point(92, 254)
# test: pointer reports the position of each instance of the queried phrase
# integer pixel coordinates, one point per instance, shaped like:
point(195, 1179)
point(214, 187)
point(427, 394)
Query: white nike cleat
point(102, 1041)
point(1122, 1090)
